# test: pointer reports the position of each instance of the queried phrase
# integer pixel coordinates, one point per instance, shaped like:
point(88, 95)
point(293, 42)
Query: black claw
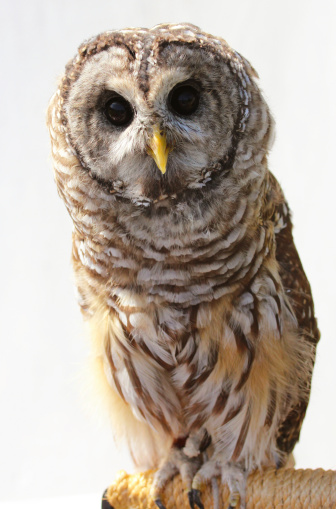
point(105, 502)
point(191, 499)
point(159, 503)
point(194, 497)
point(197, 499)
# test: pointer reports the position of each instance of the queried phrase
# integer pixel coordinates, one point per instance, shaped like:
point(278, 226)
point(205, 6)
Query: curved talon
point(191, 499)
point(105, 502)
point(197, 499)
point(159, 503)
point(194, 497)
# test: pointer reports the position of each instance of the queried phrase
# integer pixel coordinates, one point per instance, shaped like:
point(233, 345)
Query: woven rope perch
point(270, 489)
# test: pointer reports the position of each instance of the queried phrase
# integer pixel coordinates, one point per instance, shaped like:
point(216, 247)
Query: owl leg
point(185, 457)
point(232, 474)
point(177, 462)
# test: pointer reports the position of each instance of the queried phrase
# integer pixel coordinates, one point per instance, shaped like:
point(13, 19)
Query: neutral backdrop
point(52, 440)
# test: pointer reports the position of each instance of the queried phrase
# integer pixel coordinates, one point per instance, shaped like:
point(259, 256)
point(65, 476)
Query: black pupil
point(118, 111)
point(184, 99)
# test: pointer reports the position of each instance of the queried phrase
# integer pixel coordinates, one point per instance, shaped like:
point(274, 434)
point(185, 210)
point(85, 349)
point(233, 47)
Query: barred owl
point(201, 314)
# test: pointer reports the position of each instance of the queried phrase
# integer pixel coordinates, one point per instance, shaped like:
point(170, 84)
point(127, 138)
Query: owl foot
point(177, 462)
point(185, 458)
point(231, 474)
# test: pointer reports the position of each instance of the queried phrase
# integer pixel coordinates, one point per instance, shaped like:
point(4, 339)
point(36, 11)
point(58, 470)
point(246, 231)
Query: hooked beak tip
point(158, 150)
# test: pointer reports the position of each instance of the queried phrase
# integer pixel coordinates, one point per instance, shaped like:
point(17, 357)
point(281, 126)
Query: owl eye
point(118, 111)
point(184, 99)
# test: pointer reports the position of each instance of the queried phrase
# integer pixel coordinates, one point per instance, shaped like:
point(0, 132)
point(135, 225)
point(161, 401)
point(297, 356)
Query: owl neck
point(171, 259)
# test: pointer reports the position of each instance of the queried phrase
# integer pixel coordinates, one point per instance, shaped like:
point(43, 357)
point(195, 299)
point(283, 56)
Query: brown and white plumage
point(202, 316)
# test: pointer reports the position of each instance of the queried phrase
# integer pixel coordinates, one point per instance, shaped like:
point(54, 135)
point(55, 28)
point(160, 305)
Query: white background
point(51, 443)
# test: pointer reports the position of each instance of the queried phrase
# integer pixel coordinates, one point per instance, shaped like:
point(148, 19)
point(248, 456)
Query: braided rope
point(270, 489)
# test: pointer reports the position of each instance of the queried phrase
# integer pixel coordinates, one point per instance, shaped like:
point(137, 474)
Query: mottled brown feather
point(299, 295)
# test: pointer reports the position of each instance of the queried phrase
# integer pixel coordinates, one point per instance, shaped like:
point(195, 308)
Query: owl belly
point(182, 369)
point(155, 361)
point(174, 375)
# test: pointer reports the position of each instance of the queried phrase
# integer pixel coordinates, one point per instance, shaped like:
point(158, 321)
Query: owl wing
point(299, 295)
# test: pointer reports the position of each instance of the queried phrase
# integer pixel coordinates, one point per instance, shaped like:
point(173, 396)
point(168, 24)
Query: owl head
point(164, 129)
point(163, 110)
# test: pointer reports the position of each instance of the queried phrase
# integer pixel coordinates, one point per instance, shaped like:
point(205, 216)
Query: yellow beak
point(157, 148)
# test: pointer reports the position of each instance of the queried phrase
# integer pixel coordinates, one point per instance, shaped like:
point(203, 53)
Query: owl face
point(166, 126)
point(131, 105)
